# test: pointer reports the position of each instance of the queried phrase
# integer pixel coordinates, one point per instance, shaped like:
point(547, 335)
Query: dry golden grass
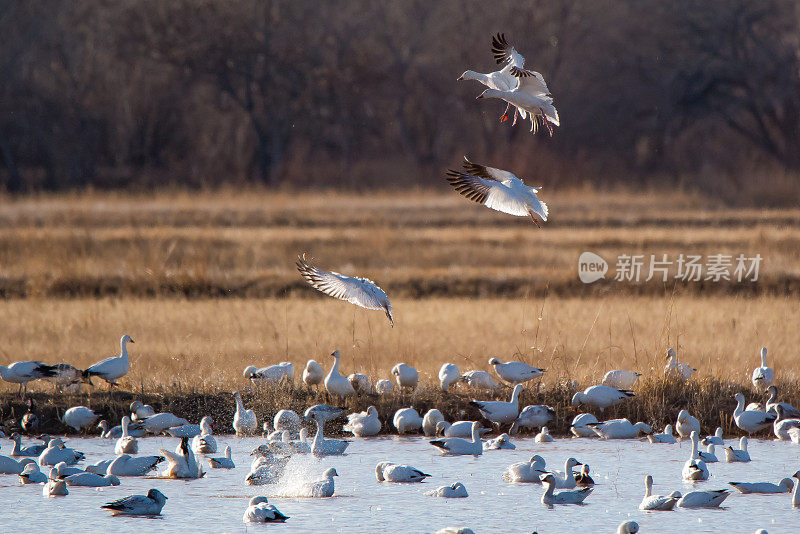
point(205, 344)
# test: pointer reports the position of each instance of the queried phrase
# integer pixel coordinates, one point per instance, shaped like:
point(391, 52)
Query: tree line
point(203, 93)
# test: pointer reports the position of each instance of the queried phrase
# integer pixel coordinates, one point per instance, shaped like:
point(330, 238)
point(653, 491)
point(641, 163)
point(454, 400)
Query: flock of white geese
point(53, 465)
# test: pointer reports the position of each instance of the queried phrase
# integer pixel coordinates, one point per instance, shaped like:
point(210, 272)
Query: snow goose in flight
point(652, 502)
point(244, 421)
point(515, 372)
point(448, 374)
point(126, 444)
point(751, 420)
point(666, 437)
point(499, 190)
point(525, 471)
point(565, 497)
point(478, 380)
point(686, 424)
point(453, 491)
point(580, 426)
point(407, 420)
point(763, 375)
point(133, 466)
point(114, 367)
point(32, 475)
point(406, 376)
point(502, 80)
point(150, 504)
point(336, 383)
point(460, 446)
point(459, 429)
point(313, 374)
point(543, 436)
point(620, 429)
point(67, 377)
point(784, 486)
point(359, 291)
point(601, 396)
point(320, 488)
point(501, 442)
point(205, 443)
point(772, 403)
point(703, 499)
point(430, 422)
point(363, 424)
point(54, 486)
point(737, 455)
point(23, 372)
point(528, 98)
point(676, 368)
point(258, 511)
point(30, 450)
point(392, 472)
point(224, 462)
point(500, 412)
point(535, 416)
point(620, 379)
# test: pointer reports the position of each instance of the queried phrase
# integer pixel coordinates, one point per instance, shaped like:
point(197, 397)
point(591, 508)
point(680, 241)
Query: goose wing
point(531, 82)
point(505, 53)
point(131, 503)
point(489, 192)
point(359, 291)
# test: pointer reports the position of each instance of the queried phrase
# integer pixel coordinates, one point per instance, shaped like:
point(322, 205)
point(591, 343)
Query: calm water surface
point(361, 504)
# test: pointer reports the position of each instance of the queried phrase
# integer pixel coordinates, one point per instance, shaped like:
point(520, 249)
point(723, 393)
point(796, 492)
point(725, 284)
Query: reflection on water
point(361, 504)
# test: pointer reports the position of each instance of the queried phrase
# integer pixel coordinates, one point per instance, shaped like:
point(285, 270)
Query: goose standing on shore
point(384, 387)
point(313, 374)
point(479, 380)
point(515, 372)
point(407, 420)
point(751, 420)
point(448, 374)
point(114, 367)
point(79, 417)
point(601, 396)
point(360, 382)
point(126, 444)
point(406, 376)
point(23, 372)
point(362, 292)
point(335, 382)
point(150, 504)
point(676, 368)
point(686, 424)
point(652, 502)
point(499, 190)
point(500, 412)
point(244, 421)
point(620, 379)
point(430, 422)
point(763, 375)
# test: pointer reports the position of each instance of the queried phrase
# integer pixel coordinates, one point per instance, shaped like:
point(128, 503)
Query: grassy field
point(466, 284)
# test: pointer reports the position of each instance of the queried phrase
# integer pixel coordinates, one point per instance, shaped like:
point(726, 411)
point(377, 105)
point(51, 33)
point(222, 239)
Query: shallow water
point(361, 504)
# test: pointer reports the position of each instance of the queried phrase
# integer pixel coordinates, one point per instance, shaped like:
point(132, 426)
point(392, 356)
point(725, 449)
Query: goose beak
point(460, 78)
point(479, 96)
